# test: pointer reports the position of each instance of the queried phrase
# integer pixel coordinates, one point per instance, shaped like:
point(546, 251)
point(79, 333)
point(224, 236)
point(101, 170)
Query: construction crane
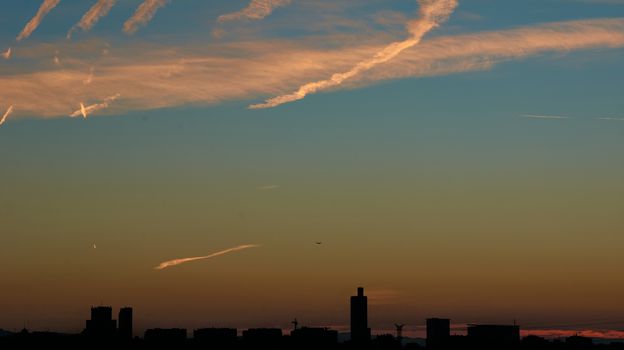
point(399, 331)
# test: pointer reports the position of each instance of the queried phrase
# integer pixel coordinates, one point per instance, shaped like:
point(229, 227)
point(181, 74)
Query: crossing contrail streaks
point(84, 111)
point(175, 262)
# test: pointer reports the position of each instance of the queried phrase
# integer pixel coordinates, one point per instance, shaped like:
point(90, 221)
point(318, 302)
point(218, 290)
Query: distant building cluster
point(102, 331)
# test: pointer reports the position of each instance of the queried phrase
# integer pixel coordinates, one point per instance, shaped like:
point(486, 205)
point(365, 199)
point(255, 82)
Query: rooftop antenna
point(399, 331)
point(295, 323)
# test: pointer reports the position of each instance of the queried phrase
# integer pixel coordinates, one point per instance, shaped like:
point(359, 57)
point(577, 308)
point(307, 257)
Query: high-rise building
point(101, 325)
point(438, 332)
point(360, 333)
point(125, 323)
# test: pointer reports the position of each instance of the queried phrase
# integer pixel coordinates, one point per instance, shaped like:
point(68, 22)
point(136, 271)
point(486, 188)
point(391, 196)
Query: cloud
point(91, 17)
point(431, 14)
point(533, 116)
point(562, 333)
point(85, 111)
point(6, 114)
point(144, 13)
point(610, 118)
point(153, 77)
point(175, 262)
point(30, 27)
point(7, 54)
point(256, 10)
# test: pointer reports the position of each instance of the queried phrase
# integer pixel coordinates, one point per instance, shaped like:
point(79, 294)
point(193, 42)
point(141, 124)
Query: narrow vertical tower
point(360, 333)
point(125, 323)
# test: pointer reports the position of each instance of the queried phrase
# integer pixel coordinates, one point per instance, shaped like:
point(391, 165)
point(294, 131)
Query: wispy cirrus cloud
point(431, 14)
point(175, 262)
point(93, 15)
point(32, 25)
point(256, 10)
point(143, 14)
point(155, 77)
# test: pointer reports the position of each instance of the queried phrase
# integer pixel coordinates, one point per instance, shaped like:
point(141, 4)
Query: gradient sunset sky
point(477, 175)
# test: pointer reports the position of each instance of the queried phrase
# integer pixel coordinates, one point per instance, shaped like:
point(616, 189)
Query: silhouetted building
point(385, 342)
point(316, 338)
point(438, 332)
point(577, 342)
point(263, 338)
point(360, 333)
point(215, 337)
point(165, 336)
point(125, 323)
point(494, 335)
point(101, 325)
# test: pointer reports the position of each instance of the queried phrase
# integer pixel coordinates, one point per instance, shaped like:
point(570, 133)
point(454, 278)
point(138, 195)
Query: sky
point(472, 170)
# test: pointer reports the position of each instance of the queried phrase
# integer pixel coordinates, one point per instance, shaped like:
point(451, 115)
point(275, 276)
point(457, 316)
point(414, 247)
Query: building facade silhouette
point(125, 323)
point(438, 332)
point(101, 325)
point(360, 333)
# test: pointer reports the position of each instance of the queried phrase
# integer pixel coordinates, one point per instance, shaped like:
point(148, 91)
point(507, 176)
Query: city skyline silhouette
point(101, 329)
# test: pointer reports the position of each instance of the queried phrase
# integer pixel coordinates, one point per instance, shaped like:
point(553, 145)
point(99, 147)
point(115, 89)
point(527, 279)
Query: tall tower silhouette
point(125, 323)
point(360, 333)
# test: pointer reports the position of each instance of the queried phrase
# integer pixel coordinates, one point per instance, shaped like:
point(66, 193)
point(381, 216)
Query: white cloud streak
point(7, 54)
point(86, 111)
point(256, 10)
point(30, 27)
point(175, 262)
point(610, 118)
point(431, 14)
point(143, 14)
point(6, 114)
point(533, 116)
point(92, 16)
point(153, 78)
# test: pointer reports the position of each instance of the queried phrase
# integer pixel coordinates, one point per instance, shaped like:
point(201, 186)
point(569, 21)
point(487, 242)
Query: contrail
point(91, 17)
point(7, 54)
point(175, 262)
point(84, 111)
point(89, 78)
point(431, 14)
point(610, 118)
point(143, 14)
point(6, 114)
point(533, 116)
point(256, 10)
point(44, 9)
